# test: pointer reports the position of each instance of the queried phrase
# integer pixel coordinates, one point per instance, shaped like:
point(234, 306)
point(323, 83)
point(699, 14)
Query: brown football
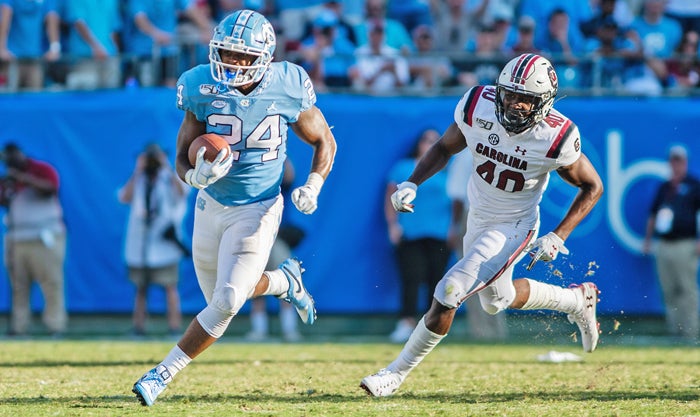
point(213, 142)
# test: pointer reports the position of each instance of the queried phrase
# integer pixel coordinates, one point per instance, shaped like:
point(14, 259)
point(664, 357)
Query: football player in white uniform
point(517, 139)
point(252, 102)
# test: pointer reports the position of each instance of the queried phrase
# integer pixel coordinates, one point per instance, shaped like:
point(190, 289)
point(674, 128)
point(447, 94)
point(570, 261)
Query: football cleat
point(297, 294)
point(149, 387)
point(585, 317)
point(382, 384)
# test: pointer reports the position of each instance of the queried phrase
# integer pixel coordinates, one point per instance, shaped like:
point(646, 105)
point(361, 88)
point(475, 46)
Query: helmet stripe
point(241, 23)
point(522, 68)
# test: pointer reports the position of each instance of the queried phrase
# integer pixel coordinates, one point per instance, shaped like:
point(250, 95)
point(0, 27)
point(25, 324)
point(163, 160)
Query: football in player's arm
point(252, 102)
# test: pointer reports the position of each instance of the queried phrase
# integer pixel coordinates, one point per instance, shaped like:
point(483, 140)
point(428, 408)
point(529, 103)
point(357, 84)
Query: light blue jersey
point(255, 125)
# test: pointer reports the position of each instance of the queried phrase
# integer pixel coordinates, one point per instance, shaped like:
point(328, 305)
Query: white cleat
point(382, 384)
point(585, 318)
point(151, 385)
point(297, 294)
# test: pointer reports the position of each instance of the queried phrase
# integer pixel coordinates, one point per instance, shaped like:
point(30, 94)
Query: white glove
point(305, 197)
point(547, 248)
point(401, 199)
point(206, 173)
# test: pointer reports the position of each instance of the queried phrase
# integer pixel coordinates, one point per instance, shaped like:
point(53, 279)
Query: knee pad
point(224, 304)
point(494, 306)
point(214, 321)
point(449, 292)
point(494, 300)
point(228, 300)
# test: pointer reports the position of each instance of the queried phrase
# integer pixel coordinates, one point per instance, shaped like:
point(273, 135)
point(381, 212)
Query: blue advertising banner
point(93, 139)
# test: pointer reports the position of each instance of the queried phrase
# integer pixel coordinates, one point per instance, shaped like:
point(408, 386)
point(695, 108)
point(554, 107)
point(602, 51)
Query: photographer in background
point(157, 199)
point(35, 242)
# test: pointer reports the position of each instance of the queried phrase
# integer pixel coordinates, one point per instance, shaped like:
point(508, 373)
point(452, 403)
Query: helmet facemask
point(244, 32)
point(237, 75)
point(515, 120)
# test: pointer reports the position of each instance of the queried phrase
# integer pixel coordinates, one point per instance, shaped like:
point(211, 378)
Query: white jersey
point(510, 173)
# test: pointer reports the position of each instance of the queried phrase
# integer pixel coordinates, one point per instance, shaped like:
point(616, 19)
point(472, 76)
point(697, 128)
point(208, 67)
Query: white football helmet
point(531, 75)
point(247, 32)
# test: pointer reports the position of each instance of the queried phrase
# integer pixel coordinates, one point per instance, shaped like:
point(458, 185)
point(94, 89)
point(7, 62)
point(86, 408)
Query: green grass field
point(94, 378)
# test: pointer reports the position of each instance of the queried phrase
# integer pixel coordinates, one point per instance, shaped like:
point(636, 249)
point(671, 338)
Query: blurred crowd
point(637, 47)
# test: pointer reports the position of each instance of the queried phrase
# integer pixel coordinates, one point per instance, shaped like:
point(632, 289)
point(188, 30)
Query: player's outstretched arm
point(312, 128)
point(583, 175)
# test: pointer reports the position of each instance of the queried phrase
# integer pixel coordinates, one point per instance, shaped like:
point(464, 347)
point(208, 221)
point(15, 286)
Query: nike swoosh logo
point(298, 291)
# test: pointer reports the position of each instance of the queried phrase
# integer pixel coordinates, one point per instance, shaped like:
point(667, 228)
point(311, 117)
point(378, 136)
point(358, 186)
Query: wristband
point(55, 47)
point(408, 184)
point(315, 180)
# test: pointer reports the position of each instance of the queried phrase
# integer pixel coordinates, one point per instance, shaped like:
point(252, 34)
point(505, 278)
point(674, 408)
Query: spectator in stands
point(35, 240)
point(673, 221)
point(428, 68)
point(454, 25)
point(150, 39)
point(343, 27)
point(293, 16)
point(218, 9)
point(288, 238)
point(686, 12)
point(25, 28)
point(395, 34)
point(525, 37)
point(57, 70)
point(605, 11)
point(420, 238)
point(193, 31)
point(562, 45)
point(614, 61)
point(378, 67)
point(93, 44)
point(411, 13)
point(577, 11)
point(684, 65)
point(493, 10)
point(503, 30)
point(157, 202)
point(484, 63)
point(482, 325)
point(325, 55)
point(659, 35)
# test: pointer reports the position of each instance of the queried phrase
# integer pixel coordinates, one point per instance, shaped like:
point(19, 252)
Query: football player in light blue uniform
point(251, 102)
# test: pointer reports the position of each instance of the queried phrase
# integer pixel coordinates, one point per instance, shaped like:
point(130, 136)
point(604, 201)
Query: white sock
point(176, 360)
point(278, 283)
point(259, 322)
point(551, 297)
point(421, 342)
point(288, 320)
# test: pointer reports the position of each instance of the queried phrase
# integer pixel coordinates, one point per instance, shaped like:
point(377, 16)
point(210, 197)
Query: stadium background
point(93, 138)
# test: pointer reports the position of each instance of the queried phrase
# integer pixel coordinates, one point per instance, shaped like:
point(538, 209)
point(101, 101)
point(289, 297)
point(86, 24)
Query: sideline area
point(531, 328)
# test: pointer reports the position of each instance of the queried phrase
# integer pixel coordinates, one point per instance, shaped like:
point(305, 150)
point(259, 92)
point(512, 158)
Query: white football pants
point(491, 251)
point(230, 248)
